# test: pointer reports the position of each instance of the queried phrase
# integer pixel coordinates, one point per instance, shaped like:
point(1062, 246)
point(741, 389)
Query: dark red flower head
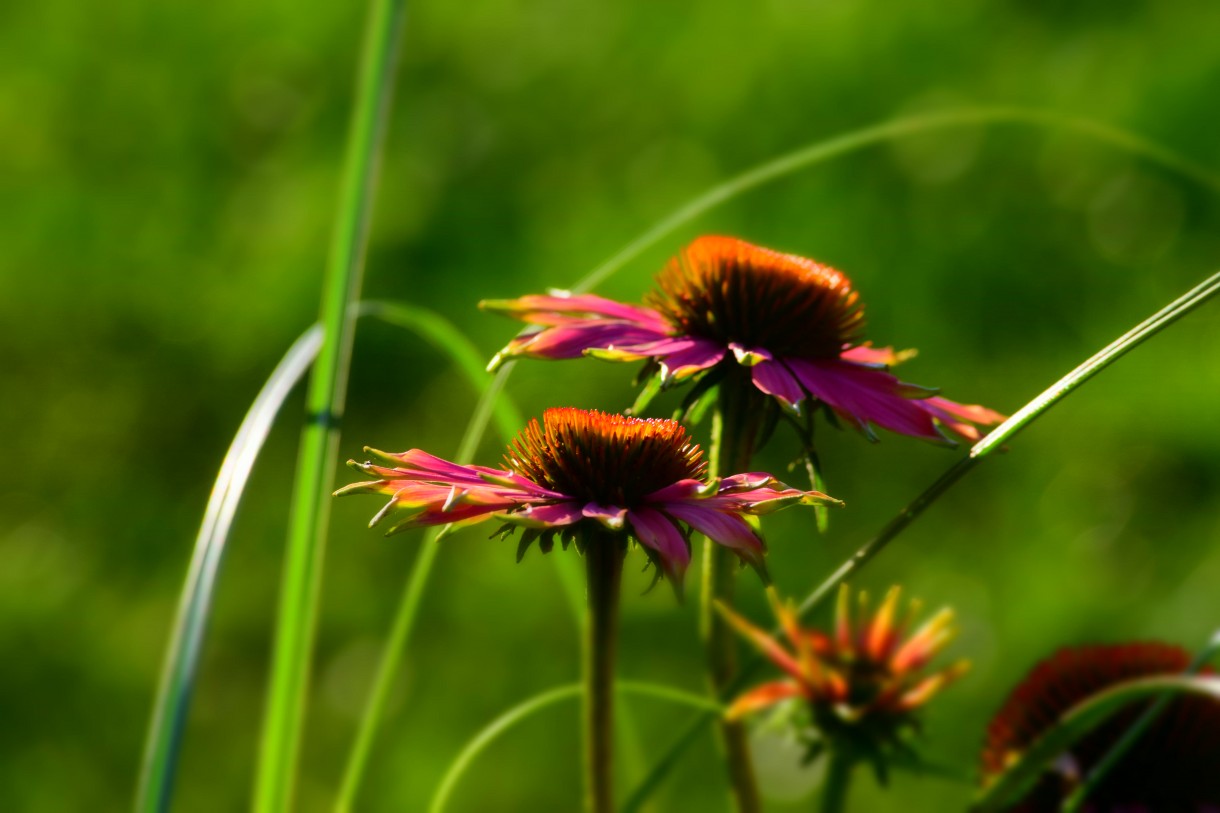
point(1174, 766)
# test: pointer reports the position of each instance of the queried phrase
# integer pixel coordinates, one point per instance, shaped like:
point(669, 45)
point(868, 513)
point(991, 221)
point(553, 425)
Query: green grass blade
point(1065, 386)
point(528, 708)
point(161, 748)
point(293, 647)
point(1074, 724)
point(825, 149)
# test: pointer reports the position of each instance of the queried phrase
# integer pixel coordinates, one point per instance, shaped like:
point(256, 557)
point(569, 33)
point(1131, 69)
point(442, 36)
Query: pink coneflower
point(861, 683)
point(642, 478)
point(793, 325)
point(1173, 764)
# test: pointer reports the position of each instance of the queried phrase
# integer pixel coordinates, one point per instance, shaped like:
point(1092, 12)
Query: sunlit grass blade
point(1036, 408)
point(1018, 779)
point(522, 711)
point(170, 708)
point(283, 720)
point(1116, 752)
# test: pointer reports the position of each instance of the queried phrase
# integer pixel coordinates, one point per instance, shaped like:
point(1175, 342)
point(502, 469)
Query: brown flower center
point(604, 458)
point(731, 291)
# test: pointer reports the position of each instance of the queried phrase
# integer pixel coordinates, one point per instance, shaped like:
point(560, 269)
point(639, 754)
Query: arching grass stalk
point(497, 727)
point(154, 791)
point(1035, 409)
point(293, 648)
point(164, 740)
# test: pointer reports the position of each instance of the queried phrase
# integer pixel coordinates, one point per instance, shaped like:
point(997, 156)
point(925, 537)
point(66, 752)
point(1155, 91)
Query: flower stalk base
point(604, 554)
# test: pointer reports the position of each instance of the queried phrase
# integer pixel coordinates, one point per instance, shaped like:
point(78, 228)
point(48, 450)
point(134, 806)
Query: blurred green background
point(169, 179)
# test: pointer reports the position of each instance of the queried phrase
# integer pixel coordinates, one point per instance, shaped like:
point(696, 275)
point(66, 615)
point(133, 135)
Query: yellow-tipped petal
point(768, 694)
point(881, 631)
point(929, 639)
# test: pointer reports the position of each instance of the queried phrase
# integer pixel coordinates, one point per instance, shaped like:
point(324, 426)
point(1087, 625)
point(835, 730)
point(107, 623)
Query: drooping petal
point(610, 516)
point(863, 395)
point(961, 418)
point(768, 694)
point(561, 308)
point(552, 515)
point(765, 644)
point(698, 355)
point(722, 528)
point(876, 356)
point(656, 531)
point(574, 341)
point(773, 378)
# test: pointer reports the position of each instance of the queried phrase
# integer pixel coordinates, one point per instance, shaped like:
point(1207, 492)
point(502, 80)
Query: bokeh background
point(169, 181)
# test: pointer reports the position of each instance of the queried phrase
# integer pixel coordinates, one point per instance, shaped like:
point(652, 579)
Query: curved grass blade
point(163, 742)
point(170, 708)
point(1132, 735)
point(528, 708)
point(1145, 330)
point(825, 149)
point(441, 333)
point(292, 652)
point(1074, 724)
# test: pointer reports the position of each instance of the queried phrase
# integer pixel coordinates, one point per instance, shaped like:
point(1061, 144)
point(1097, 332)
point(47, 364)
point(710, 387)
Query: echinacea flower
point(862, 683)
point(580, 469)
point(791, 327)
point(1171, 767)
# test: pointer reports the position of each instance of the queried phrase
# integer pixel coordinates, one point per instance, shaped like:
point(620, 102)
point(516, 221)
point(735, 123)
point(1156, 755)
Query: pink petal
point(873, 356)
point(572, 341)
point(612, 517)
point(699, 355)
point(774, 379)
point(865, 395)
point(959, 418)
point(655, 530)
point(554, 515)
point(722, 528)
point(559, 309)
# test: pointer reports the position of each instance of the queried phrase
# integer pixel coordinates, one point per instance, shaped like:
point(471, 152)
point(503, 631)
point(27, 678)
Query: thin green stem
point(1132, 735)
point(839, 767)
point(301, 585)
point(408, 609)
point(734, 431)
point(1035, 409)
point(604, 553)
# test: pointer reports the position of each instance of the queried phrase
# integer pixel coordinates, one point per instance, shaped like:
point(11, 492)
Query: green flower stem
point(734, 431)
point(604, 553)
point(839, 767)
point(1035, 409)
point(293, 650)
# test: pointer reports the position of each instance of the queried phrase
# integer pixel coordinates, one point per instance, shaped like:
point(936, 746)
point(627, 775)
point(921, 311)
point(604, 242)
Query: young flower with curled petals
point(578, 469)
point(1172, 766)
point(789, 326)
point(860, 684)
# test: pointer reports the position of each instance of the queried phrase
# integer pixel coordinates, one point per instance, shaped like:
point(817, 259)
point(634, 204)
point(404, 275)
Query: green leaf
point(1008, 788)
